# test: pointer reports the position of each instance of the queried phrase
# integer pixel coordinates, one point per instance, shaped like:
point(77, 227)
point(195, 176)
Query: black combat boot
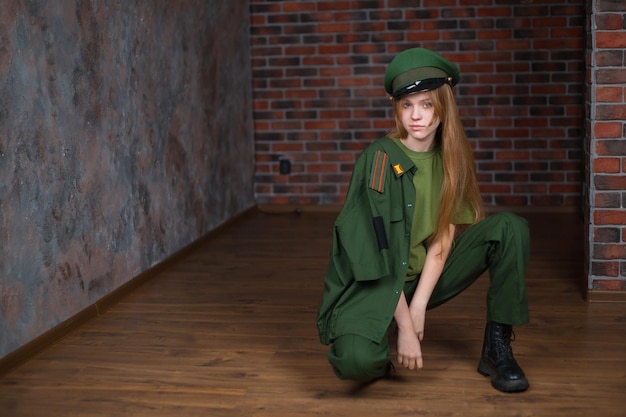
point(497, 360)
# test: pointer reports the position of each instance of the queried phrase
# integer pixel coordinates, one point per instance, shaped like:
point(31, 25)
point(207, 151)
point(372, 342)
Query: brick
point(496, 12)
point(547, 176)
point(495, 166)
point(268, 115)
point(338, 157)
point(300, 6)
point(548, 155)
point(609, 284)
point(518, 177)
point(305, 157)
point(333, 5)
point(493, 56)
point(555, 43)
point(530, 188)
point(566, 32)
point(405, 25)
point(610, 39)
point(321, 125)
point(611, 112)
point(530, 166)
point(369, 27)
point(258, 8)
point(301, 114)
point(368, 48)
point(467, 38)
point(495, 188)
point(348, 38)
point(609, 6)
point(609, 21)
point(605, 269)
point(609, 94)
point(550, 21)
point(309, 38)
point(610, 147)
point(353, 125)
point(610, 182)
point(546, 200)
point(572, 9)
point(564, 189)
point(303, 136)
point(281, 147)
point(439, 3)
point(335, 114)
point(333, 49)
point(288, 189)
point(606, 235)
point(538, 126)
point(458, 12)
point(286, 125)
point(609, 217)
point(318, 82)
point(300, 94)
point(606, 165)
point(269, 136)
point(611, 76)
point(609, 251)
point(511, 200)
point(304, 179)
point(611, 58)
point(299, 29)
point(565, 165)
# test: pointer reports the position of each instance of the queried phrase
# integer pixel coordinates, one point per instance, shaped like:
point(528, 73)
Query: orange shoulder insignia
point(398, 168)
point(379, 172)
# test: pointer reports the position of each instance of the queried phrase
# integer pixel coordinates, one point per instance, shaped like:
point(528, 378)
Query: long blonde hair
point(459, 173)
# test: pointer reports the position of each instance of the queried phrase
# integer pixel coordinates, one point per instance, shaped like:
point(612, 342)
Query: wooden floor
point(230, 331)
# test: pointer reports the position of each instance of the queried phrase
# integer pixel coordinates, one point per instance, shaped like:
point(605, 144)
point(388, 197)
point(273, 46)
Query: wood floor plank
point(229, 330)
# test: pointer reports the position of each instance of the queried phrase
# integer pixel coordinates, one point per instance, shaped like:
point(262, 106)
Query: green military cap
point(418, 69)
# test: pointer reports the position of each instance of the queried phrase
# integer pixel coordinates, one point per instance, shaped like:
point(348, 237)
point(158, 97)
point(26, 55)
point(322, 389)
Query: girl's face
point(417, 114)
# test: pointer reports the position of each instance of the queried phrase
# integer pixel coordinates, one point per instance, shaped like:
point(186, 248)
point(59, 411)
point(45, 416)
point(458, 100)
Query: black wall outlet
point(284, 166)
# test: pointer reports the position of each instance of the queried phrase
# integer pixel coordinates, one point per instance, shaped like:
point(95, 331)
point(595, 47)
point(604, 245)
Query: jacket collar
point(399, 160)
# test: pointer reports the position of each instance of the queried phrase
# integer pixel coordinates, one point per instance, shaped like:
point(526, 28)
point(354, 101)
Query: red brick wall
point(318, 97)
point(605, 146)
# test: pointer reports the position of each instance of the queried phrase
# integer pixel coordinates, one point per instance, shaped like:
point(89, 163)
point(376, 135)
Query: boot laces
point(503, 344)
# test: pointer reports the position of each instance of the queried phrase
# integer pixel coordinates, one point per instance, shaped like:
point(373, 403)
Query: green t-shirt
point(427, 181)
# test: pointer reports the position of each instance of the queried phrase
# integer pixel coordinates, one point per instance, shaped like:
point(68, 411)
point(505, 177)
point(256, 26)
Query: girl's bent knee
point(356, 358)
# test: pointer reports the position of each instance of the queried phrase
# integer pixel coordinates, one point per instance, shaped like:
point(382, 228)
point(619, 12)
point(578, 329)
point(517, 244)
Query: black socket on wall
point(284, 166)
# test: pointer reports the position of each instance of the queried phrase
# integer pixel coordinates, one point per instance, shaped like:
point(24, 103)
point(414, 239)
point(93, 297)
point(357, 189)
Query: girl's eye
point(427, 104)
point(406, 104)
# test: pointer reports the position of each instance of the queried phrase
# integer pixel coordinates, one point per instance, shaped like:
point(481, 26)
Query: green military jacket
point(371, 240)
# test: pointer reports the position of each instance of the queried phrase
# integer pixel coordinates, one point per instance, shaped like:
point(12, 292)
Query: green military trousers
point(500, 244)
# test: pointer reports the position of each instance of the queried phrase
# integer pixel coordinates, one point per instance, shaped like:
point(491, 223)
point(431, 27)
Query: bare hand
point(409, 349)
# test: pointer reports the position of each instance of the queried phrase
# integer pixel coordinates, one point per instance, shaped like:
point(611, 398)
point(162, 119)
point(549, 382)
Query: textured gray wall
point(125, 134)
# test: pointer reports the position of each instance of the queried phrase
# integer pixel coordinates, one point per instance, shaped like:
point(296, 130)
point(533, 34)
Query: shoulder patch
point(379, 172)
point(398, 168)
